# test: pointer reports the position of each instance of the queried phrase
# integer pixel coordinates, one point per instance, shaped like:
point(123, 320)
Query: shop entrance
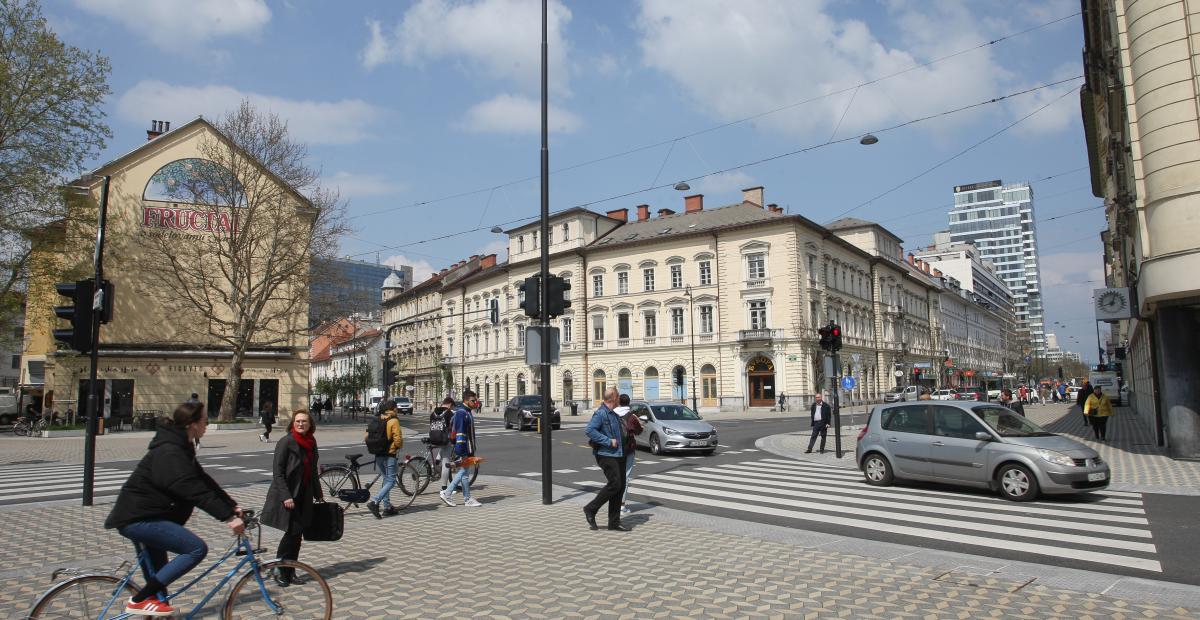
point(252, 393)
point(116, 398)
point(760, 373)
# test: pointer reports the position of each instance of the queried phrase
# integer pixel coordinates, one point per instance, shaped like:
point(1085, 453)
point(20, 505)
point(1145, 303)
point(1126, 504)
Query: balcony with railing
point(650, 341)
point(749, 335)
point(677, 340)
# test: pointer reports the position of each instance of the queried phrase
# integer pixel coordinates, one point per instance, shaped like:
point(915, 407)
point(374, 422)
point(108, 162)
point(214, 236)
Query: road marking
point(566, 471)
point(592, 468)
point(531, 474)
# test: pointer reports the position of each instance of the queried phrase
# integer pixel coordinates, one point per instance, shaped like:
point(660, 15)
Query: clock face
point(1111, 302)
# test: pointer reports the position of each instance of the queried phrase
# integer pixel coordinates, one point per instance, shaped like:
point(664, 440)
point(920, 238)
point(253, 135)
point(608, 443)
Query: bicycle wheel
point(256, 595)
point(84, 597)
point(334, 478)
point(474, 473)
point(20, 429)
point(414, 482)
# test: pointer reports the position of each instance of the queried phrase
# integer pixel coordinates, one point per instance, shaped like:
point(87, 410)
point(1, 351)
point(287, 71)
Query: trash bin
point(574, 408)
point(99, 425)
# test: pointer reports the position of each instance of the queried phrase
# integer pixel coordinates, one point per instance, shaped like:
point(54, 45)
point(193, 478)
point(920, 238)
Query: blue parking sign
point(848, 382)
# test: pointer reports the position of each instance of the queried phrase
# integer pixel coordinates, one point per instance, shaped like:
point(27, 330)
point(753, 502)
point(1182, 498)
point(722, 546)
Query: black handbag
point(327, 523)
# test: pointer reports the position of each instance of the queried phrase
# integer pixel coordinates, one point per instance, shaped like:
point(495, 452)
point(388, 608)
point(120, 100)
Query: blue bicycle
point(102, 596)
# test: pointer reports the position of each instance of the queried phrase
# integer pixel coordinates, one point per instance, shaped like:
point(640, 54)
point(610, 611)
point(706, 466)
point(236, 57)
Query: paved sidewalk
point(521, 559)
point(1137, 464)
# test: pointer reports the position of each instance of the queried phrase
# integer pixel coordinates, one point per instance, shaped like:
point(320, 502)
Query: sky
point(425, 113)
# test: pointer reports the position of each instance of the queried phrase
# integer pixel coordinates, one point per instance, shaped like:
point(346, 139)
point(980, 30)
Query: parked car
point(9, 409)
point(972, 393)
point(375, 405)
point(944, 394)
point(672, 427)
point(900, 393)
point(404, 405)
point(1072, 393)
point(524, 411)
point(975, 444)
point(993, 394)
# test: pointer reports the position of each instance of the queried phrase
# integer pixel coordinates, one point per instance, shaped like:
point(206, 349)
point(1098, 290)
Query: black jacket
point(168, 484)
point(826, 413)
point(287, 482)
point(1082, 397)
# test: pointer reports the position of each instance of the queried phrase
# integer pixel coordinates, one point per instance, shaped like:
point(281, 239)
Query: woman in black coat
point(294, 488)
point(157, 500)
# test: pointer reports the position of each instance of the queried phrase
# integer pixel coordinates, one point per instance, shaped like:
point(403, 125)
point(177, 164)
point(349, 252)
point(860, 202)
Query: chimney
point(937, 273)
point(693, 204)
point(155, 130)
point(620, 214)
point(753, 195)
point(774, 208)
point(488, 261)
point(665, 212)
point(910, 259)
point(925, 266)
point(643, 212)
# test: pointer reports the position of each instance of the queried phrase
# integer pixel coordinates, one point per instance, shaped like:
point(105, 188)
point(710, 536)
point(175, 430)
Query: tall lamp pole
point(692, 331)
point(544, 289)
point(89, 440)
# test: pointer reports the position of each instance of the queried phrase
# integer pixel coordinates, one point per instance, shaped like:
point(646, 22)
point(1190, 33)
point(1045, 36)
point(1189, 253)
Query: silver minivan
point(672, 427)
point(975, 444)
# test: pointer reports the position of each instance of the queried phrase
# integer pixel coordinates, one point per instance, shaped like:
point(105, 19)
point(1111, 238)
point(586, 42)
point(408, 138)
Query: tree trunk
point(233, 380)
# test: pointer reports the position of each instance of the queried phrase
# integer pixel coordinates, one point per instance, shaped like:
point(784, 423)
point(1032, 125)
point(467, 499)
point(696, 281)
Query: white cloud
point(516, 114)
point(422, 269)
point(724, 183)
point(1061, 111)
point(313, 122)
point(498, 246)
point(354, 185)
point(738, 59)
point(182, 24)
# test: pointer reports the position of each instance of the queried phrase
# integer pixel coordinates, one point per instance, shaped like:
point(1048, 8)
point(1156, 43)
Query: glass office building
point(343, 287)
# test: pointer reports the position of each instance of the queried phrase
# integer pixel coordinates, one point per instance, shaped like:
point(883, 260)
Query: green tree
point(51, 124)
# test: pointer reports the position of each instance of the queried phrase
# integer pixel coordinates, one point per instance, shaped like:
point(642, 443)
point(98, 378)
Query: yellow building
point(151, 356)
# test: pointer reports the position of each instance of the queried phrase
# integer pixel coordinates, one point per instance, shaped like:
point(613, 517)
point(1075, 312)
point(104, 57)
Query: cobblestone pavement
point(1137, 464)
point(515, 558)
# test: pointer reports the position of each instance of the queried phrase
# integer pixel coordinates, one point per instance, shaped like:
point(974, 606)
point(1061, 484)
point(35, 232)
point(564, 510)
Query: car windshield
point(674, 412)
point(404, 401)
point(531, 401)
point(1008, 424)
point(896, 389)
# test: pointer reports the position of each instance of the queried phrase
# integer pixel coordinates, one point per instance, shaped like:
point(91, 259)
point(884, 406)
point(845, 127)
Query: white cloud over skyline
point(181, 24)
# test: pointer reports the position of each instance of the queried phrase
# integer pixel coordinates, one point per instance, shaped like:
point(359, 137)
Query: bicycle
point(98, 595)
point(343, 482)
point(429, 468)
point(23, 427)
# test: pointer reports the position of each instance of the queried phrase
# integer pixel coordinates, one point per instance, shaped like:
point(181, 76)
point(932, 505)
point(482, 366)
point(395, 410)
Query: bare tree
point(264, 219)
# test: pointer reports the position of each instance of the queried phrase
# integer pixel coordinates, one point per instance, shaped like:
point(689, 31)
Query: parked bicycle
point(23, 427)
point(344, 483)
point(102, 596)
point(428, 469)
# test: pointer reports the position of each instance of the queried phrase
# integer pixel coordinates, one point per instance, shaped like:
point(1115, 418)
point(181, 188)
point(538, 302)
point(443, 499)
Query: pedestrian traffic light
point(835, 337)
point(390, 376)
point(826, 338)
point(559, 293)
point(78, 313)
point(494, 311)
point(529, 293)
point(1060, 373)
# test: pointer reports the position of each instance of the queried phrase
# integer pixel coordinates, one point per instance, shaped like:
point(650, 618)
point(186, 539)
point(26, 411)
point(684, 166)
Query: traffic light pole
point(89, 440)
point(544, 289)
point(837, 405)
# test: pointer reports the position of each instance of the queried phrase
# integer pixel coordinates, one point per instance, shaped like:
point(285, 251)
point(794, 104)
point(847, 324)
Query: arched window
point(520, 384)
point(599, 384)
point(650, 383)
point(708, 385)
point(568, 389)
point(625, 382)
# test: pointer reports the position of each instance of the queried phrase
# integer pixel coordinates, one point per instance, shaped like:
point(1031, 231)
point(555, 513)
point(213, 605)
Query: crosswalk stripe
point(726, 482)
point(1126, 506)
point(906, 530)
point(77, 484)
point(646, 462)
point(592, 468)
point(77, 490)
point(566, 471)
point(39, 475)
point(7, 472)
point(32, 484)
point(531, 474)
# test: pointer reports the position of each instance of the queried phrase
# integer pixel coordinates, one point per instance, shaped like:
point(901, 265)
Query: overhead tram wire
point(947, 207)
point(761, 161)
point(725, 125)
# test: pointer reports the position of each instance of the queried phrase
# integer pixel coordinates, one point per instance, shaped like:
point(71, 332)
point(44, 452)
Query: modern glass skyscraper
point(998, 220)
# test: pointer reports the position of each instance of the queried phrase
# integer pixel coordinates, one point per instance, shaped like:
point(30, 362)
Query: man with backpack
point(462, 432)
point(440, 423)
point(384, 440)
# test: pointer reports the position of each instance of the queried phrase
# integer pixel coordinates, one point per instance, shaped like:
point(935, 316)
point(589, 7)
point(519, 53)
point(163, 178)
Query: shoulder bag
point(327, 524)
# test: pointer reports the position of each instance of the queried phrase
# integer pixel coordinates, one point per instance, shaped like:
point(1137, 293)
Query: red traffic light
point(835, 331)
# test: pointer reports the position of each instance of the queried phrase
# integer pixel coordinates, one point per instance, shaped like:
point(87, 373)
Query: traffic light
point(679, 375)
point(835, 337)
point(560, 296)
point(78, 313)
point(390, 376)
point(494, 311)
point(917, 373)
point(826, 338)
point(529, 292)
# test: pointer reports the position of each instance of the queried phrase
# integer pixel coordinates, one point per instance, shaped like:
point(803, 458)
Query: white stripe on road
point(78, 490)
point(566, 471)
point(60, 480)
point(531, 474)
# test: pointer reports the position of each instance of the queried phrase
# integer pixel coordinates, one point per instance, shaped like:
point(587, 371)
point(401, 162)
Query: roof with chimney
point(850, 223)
point(560, 216)
point(678, 224)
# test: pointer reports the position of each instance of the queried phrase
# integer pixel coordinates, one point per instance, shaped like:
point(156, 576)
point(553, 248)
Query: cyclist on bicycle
point(157, 500)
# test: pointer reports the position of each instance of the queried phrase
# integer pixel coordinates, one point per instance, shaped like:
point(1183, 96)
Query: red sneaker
point(149, 607)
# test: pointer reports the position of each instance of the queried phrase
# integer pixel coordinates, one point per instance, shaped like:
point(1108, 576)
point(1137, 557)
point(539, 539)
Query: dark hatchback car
point(523, 412)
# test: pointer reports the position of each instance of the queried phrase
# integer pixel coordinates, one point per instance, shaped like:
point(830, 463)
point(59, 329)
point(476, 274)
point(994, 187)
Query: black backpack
point(377, 439)
point(439, 427)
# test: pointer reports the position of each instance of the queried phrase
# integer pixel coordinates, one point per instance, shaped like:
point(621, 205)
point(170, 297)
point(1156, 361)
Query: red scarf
point(308, 443)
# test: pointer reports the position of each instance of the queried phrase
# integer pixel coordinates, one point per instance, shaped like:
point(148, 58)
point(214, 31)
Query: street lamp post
point(687, 292)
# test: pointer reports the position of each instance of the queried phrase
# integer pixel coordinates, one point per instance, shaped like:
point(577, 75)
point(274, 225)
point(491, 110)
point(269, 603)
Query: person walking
point(440, 423)
point(462, 430)
point(158, 499)
point(633, 428)
point(1081, 400)
point(1099, 408)
point(385, 461)
point(266, 415)
point(606, 435)
point(294, 488)
point(782, 402)
point(1006, 399)
point(822, 416)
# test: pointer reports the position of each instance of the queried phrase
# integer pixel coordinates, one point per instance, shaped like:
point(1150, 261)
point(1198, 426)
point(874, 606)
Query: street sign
point(1028, 360)
point(922, 365)
point(533, 344)
point(848, 383)
point(899, 373)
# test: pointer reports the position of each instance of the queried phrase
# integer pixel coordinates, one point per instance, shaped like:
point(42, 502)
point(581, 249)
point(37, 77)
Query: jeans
point(629, 458)
point(445, 456)
point(160, 536)
point(463, 477)
point(614, 485)
point(387, 465)
point(267, 431)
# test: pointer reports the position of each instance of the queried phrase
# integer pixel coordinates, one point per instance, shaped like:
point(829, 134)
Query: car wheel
point(877, 470)
point(1017, 483)
point(507, 424)
point(707, 452)
point(557, 426)
point(655, 444)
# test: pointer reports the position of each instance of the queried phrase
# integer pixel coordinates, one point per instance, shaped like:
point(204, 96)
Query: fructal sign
point(197, 220)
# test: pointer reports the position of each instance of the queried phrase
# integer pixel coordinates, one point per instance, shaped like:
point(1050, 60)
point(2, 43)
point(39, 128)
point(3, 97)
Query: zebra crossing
point(1112, 531)
point(54, 482)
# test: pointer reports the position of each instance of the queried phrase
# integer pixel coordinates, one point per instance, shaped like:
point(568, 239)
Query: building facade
point(999, 221)
point(1143, 137)
point(342, 287)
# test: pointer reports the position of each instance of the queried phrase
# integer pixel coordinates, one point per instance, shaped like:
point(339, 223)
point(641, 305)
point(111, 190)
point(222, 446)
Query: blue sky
point(405, 103)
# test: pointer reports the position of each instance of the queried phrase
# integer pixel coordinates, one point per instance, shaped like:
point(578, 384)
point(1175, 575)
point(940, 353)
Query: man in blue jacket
point(604, 432)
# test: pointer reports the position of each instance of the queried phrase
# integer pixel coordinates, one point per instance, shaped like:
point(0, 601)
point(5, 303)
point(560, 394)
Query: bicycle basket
point(354, 496)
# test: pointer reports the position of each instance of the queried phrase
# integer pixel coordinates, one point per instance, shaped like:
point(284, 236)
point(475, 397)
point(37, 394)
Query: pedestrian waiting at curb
point(822, 416)
point(1006, 399)
point(462, 430)
point(1099, 409)
point(384, 440)
point(633, 428)
point(606, 435)
point(294, 488)
point(266, 415)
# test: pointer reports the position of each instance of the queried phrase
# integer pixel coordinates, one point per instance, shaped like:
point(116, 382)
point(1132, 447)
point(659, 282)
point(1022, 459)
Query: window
point(535, 239)
point(953, 422)
point(507, 336)
point(676, 321)
point(597, 285)
point(520, 244)
point(622, 282)
point(648, 279)
point(450, 347)
point(756, 266)
point(650, 324)
point(676, 276)
point(623, 325)
point(814, 310)
point(705, 273)
point(758, 314)
point(812, 270)
point(706, 319)
point(520, 336)
point(598, 327)
point(566, 330)
point(16, 362)
point(906, 419)
point(834, 284)
point(550, 236)
point(566, 231)
point(599, 385)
